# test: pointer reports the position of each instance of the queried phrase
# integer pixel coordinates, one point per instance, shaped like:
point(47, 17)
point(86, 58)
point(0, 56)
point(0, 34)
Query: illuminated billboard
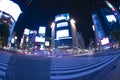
point(62, 24)
point(111, 18)
point(42, 30)
point(26, 31)
point(62, 34)
point(47, 43)
point(104, 41)
point(62, 17)
point(11, 8)
point(39, 39)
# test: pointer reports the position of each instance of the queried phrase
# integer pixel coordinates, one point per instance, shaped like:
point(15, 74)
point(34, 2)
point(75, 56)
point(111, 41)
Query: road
point(4, 60)
point(29, 67)
point(23, 67)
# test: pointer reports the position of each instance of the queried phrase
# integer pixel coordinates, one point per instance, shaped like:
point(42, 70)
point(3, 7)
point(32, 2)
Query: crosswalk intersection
point(76, 67)
point(4, 60)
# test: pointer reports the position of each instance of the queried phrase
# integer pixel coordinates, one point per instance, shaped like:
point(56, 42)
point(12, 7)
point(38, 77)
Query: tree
point(4, 33)
point(115, 33)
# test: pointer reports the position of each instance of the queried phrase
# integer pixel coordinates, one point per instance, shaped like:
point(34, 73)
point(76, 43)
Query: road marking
point(2, 67)
point(3, 64)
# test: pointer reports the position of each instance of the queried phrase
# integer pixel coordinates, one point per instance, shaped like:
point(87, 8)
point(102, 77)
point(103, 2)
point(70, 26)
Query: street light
point(15, 37)
point(72, 21)
point(52, 25)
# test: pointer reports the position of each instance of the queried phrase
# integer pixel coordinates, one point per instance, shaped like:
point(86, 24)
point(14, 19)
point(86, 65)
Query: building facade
point(104, 21)
point(9, 13)
point(64, 32)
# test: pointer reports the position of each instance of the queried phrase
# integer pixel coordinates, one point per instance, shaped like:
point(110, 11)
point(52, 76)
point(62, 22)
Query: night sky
point(42, 13)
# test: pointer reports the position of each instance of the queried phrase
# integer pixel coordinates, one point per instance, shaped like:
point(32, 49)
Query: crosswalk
point(4, 60)
point(72, 68)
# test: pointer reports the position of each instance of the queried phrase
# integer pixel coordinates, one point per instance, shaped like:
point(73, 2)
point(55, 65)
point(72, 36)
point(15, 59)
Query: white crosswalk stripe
point(4, 60)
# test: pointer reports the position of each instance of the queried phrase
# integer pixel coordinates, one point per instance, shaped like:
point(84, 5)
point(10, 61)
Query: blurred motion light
point(110, 5)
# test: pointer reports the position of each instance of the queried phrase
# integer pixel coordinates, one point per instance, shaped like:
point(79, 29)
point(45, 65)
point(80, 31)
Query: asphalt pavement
point(30, 67)
point(115, 73)
point(23, 67)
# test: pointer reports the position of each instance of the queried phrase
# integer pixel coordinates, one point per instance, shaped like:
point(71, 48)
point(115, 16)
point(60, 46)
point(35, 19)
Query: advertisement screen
point(62, 34)
point(62, 24)
point(26, 31)
point(42, 30)
point(104, 41)
point(111, 18)
point(39, 39)
point(62, 17)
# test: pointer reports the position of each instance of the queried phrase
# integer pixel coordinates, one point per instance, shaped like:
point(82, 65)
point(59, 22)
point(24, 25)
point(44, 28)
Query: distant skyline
point(42, 13)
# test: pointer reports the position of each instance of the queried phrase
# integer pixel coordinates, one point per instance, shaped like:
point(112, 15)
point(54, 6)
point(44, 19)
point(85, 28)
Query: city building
point(40, 39)
point(64, 34)
point(105, 20)
point(25, 39)
point(14, 42)
point(9, 13)
point(80, 38)
point(31, 39)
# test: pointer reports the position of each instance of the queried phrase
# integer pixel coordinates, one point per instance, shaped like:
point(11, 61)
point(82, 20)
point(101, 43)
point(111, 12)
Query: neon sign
point(110, 5)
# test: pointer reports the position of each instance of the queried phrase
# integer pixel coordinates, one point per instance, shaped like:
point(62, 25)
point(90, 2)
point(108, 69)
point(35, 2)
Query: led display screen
point(62, 17)
point(62, 34)
point(104, 41)
point(39, 39)
point(42, 30)
point(62, 24)
point(26, 31)
point(111, 18)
